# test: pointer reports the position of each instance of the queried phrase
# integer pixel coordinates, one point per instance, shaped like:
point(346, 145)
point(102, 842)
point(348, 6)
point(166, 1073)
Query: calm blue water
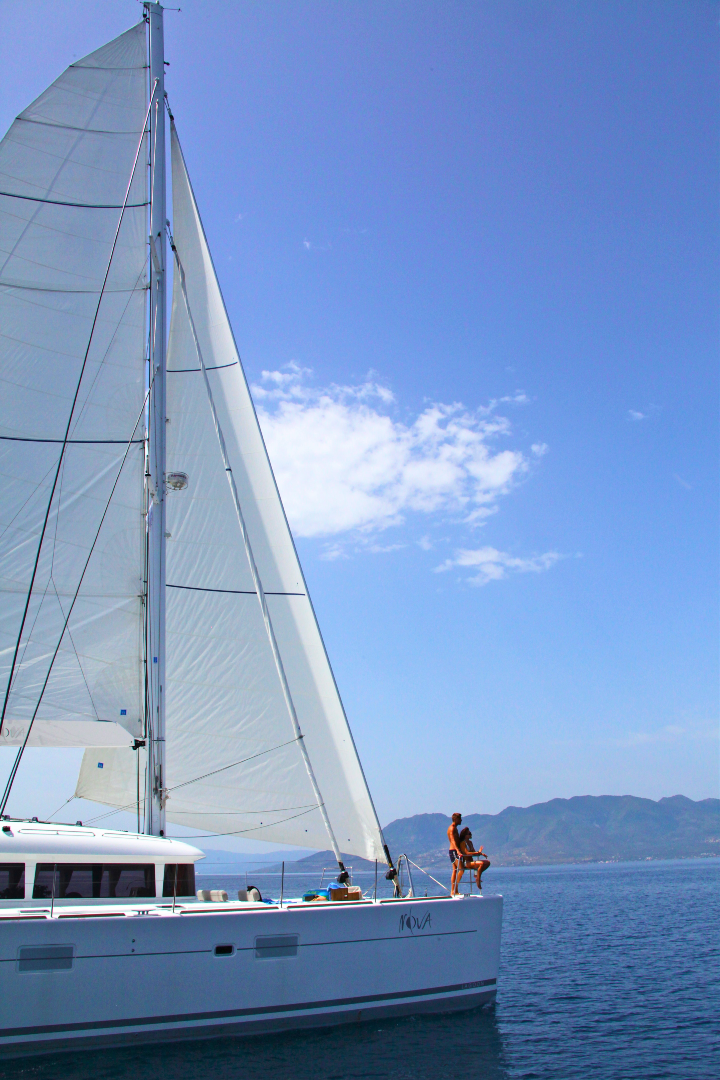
point(609, 972)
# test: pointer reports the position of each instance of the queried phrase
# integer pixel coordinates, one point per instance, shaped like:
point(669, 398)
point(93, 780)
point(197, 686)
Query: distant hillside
point(584, 829)
point(587, 828)
point(217, 859)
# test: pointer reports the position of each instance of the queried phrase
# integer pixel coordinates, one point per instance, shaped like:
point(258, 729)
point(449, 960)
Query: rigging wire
point(203, 836)
point(21, 751)
point(110, 343)
point(77, 656)
point(223, 768)
point(62, 452)
point(242, 832)
point(62, 807)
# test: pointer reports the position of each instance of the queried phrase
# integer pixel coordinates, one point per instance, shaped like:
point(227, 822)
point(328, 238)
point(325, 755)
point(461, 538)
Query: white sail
point(234, 762)
point(72, 339)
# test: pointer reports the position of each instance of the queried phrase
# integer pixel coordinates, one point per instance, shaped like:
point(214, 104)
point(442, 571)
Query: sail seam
point(71, 127)
point(193, 370)
point(71, 292)
point(242, 813)
point(80, 205)
point(233, 592)
point(72, 442)
point(102, 67)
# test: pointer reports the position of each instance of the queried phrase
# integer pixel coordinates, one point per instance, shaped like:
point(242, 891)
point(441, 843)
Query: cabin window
point(85, 881)
point(45, 957)
point(185, 884)
point(12, 881)
point(268, 948)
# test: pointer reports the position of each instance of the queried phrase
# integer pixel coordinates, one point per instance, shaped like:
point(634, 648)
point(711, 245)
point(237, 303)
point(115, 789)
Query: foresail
point(72, 341)
point(233, 759)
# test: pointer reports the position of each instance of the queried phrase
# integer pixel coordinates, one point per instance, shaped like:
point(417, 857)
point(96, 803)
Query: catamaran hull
point(196, 974)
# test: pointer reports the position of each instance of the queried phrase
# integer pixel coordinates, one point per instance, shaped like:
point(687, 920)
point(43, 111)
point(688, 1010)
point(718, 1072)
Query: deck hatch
point(45, 957)
point(267, 948)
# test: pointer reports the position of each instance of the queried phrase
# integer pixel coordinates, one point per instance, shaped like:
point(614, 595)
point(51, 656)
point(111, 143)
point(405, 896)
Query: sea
point(609, 972)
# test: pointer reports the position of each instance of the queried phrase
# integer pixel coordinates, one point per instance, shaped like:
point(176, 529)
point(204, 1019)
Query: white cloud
point(488, 564)
point(539, 449)
point(345, 462)
point(633, 414)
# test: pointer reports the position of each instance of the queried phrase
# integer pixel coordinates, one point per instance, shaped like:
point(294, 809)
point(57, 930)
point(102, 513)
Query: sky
point(470, 255)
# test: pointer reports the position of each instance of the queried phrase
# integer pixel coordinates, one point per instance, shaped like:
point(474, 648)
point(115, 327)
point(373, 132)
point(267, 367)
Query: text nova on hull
point(154, 612)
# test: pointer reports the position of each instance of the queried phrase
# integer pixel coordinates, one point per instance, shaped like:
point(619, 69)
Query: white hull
point(152, 974)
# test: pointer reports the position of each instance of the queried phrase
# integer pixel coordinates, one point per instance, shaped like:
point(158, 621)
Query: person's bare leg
point(458, 878)
point(453, 882)
point(481, 868)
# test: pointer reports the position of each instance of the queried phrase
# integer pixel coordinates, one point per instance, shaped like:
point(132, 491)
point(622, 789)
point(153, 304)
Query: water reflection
point(462, 1046)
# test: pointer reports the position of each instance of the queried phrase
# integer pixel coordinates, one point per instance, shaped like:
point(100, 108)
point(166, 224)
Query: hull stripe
point(244, 948)
point(229, 1014)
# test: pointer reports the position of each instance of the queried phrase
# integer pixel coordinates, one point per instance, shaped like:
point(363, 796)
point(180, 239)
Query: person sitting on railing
point(470, 859)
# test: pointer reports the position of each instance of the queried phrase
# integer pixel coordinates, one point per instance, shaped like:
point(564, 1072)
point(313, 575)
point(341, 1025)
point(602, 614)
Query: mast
point(155, 656)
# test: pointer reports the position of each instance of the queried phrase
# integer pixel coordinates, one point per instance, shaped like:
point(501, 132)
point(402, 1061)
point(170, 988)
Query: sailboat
point(154, 612)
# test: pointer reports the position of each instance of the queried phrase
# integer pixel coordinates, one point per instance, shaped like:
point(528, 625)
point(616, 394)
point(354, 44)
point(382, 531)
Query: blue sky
point(470, 254)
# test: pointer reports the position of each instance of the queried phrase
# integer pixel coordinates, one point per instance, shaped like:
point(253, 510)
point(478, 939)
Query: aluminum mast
point(155, 789)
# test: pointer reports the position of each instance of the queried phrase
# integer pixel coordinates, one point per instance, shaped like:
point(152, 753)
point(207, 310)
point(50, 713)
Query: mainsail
point(73, 255)
point(234, 764)
point(256, 741)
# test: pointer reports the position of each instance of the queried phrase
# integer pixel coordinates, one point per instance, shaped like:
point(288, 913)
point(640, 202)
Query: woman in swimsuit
point(471, 859)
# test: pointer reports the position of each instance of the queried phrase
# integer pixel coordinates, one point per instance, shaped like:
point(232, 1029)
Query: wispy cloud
point(488, 564)
point(669, 733)
point(347, 462)
point(636, 415)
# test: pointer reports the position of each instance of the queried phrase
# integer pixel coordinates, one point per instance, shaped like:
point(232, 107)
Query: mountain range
point(587, 828)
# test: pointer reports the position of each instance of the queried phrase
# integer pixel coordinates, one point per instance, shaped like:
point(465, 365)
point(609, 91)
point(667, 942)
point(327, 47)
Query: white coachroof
point(36, 841)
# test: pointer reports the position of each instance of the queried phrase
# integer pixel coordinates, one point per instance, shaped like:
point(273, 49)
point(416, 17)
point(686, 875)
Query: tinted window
point(266, 948)
point(12, 881)
point(185, 880)
point(45, 958)
point(83, 881)
point(129, 880)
